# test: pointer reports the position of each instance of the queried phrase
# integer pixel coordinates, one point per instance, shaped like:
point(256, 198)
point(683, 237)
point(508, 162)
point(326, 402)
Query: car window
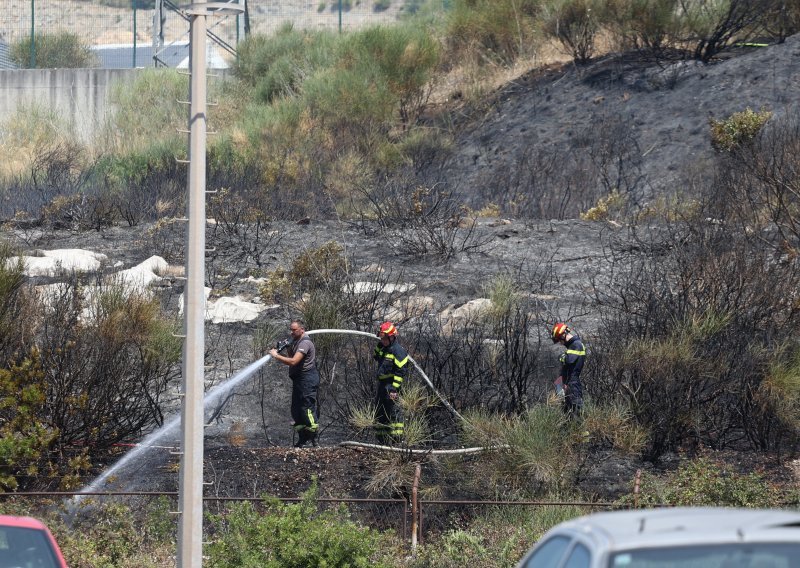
point(738, 555)
point(26, 547)
point(579, 557)
point(549, 553)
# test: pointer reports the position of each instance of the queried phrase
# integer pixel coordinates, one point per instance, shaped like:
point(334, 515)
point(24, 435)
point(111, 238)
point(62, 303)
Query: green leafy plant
point(738, 130)
point(532, 450)
point(291, 536)
point(50, 51)
point(703, 481)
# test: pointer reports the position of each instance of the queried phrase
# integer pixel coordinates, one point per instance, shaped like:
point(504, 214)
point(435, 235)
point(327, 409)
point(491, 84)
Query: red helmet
point(388, 328)
point(559, 332)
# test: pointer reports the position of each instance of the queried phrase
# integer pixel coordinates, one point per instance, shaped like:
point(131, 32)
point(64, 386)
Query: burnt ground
point(247, 451)
point(247, 448)
point(660, 109)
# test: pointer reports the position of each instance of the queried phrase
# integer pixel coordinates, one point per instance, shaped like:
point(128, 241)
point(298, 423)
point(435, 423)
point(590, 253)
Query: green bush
point(156, 90)
point(26, 435)
point(52, 51)
point(355, 103)
point(705, 482)
point(497, 539)
point(292, 536)
point(276, 65)
point(535, 448)
point(738, 130)
point(406, 56)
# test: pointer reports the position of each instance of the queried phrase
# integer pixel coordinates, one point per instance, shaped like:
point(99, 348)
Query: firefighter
point(392, 369)
point(571, 366)
point(301, 359)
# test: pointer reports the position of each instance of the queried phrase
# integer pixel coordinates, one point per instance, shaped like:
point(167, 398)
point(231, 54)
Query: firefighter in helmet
point(571, 366)
point(392, 369)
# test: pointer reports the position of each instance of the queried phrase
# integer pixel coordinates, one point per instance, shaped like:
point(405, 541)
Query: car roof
point(21, 522)
point(620, 530)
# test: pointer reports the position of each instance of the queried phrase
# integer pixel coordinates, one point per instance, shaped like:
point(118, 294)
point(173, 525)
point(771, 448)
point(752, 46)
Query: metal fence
point(413, 522)
point(143, 33)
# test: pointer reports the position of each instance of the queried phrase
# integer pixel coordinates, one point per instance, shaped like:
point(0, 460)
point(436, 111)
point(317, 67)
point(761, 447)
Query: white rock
point(51, 262)
point(235, 309)
point(372, 287)
point(144, 274)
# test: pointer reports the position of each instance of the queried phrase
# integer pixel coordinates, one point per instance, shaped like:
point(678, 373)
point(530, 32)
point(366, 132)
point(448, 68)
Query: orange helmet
point(559, 332)
point(388, 328)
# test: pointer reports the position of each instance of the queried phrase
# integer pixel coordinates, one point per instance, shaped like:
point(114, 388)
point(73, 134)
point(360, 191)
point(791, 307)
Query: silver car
point(686, 537)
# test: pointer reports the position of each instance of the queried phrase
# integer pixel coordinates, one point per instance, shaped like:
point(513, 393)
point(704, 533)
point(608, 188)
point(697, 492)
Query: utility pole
point(190, 494)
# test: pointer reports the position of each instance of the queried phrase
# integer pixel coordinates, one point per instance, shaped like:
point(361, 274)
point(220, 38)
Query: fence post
point(636, 484)
point(33, 35)
point(415, 508)
point(133, 63)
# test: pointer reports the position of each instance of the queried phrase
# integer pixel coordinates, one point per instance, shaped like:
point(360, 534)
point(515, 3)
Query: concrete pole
point(190, 494)
point(190, 547)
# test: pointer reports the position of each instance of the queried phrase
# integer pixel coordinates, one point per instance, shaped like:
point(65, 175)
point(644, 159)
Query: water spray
point(213, 396)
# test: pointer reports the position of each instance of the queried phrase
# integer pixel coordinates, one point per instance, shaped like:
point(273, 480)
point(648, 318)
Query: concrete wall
point(80, 96)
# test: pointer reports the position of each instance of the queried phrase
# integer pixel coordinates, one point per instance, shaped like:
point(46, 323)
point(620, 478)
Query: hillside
point(644, 125)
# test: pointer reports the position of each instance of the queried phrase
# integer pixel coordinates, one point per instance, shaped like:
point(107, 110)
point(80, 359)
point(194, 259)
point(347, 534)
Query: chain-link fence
point(144, 33)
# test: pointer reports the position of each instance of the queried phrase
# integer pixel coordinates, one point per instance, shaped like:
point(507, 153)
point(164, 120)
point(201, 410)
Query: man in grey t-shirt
point(301, 359)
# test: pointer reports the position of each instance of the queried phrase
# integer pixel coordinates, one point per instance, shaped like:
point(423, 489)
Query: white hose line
point(374, 337)
point(425, 452)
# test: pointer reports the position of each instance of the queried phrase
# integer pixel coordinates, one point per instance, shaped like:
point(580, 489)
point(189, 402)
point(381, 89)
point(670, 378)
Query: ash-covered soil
point(659, 110)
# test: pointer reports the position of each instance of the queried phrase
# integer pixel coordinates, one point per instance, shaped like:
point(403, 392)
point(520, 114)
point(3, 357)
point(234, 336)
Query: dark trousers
point(573, 401)
point(389, 415)
point(304, 406)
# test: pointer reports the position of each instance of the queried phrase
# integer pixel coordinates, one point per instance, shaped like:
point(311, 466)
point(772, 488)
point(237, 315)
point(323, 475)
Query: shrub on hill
point(293, 536)
point(704, 482)
point(50, 51)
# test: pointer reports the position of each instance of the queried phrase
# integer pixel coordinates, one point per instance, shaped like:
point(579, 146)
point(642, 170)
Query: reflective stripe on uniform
point(397, 380)
point(311, 424)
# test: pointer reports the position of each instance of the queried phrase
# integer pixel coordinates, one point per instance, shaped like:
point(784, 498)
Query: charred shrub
point(418, 221)
point(108, 356)
point(673, 319)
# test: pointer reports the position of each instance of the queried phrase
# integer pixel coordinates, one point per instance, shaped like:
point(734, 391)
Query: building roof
point(5, 56)
point(176, 55)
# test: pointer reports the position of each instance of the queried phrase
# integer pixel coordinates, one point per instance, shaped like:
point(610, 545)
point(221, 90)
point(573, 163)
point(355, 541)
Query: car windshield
point(25, 547)
point(739, 555)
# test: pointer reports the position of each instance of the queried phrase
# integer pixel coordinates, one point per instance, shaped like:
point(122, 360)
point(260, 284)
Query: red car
point(28, 543)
